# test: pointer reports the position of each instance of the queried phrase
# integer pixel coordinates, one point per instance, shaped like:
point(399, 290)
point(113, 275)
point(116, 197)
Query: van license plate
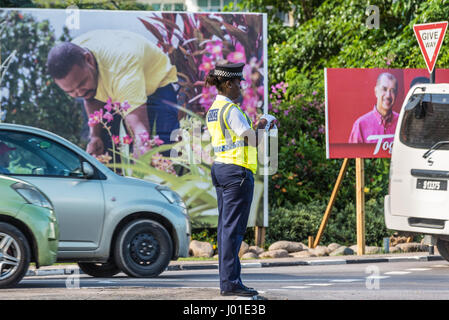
point(431, 184)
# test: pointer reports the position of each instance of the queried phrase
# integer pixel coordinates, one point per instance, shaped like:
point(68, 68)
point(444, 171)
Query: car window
point(27, 154)
point(426, 123)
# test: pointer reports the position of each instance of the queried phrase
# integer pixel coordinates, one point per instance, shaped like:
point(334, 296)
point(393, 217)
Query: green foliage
point(296, 223)
point(29, 95)
point(93, 4)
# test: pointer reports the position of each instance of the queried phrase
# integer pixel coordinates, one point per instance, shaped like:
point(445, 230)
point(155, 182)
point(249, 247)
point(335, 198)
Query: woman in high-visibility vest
point(235, 142)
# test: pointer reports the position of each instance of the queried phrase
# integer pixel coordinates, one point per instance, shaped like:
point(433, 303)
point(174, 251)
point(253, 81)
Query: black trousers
point(235, 187)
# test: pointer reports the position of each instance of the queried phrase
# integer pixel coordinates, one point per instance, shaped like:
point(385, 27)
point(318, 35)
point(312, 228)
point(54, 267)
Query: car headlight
point(32, 195)
point(172, 196)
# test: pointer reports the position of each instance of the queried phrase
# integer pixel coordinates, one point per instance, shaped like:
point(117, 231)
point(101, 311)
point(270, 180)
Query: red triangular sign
point(430, 37)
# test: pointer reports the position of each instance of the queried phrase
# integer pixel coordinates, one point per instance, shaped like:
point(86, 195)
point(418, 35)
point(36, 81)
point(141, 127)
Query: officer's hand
point(262, 123)
point(95, 146)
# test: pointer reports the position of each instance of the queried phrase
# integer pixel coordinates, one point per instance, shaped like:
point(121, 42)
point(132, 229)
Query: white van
point(418, 199)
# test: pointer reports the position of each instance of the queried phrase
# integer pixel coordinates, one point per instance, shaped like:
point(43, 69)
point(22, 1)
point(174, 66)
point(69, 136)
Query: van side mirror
point(88, 170)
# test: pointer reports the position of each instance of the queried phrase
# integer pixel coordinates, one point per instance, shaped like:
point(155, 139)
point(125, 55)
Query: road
point(417, 280)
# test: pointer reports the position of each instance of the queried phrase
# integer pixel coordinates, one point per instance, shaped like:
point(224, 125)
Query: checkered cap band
point(227, 74)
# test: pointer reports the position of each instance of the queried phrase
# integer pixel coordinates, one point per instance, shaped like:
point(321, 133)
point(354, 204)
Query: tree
point(29, 95)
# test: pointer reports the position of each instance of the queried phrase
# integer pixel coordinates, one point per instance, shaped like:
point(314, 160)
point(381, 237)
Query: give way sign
point(430, 37)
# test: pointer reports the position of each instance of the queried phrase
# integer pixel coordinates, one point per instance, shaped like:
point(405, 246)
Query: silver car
point(108, 223)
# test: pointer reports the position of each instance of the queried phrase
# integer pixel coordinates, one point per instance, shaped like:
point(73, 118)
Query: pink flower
point(115, 139)
point(314, 93)
point(215, 48)
point(116, 106)
point(260, 91)
point(238, 55)
point(108, 106)
point(108, 116)
point(247, 73)
point(158, 141)
point(207, 96)
point(125, 106)
point(286, 112)
point(95, 118)
point(127, 139)
point(275, 110)
point(144, 136)
point(207, 64)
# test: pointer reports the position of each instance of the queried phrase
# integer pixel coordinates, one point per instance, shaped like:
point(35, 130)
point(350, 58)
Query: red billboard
point(362, 108)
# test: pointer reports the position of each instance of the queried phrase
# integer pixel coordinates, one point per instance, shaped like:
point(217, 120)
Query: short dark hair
point(62, 58)
point(388, 76)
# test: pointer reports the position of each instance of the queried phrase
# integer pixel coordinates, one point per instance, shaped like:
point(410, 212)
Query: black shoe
point(243, 292)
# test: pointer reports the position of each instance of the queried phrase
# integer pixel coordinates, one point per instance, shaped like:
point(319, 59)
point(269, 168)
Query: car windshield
point(426, 121)
point(34, 155)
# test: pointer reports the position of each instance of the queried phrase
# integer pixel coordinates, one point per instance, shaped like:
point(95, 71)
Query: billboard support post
point(343, 168)
point(360, 205)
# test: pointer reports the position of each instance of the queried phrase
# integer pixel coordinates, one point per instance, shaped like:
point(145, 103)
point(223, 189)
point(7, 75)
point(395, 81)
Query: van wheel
point(143, 249)
point(443, 248)
point(99, 270)
point(15, 255)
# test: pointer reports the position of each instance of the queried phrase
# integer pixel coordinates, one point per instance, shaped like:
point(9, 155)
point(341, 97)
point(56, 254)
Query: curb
point(179, 267)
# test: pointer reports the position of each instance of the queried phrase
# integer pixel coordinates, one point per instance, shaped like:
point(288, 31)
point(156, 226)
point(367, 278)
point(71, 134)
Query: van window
point(425, 121)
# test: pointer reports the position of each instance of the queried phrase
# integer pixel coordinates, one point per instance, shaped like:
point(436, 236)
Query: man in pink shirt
point(382, 120)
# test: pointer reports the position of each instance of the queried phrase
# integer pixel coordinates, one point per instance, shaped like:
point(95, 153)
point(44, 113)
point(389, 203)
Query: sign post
point(430, 37)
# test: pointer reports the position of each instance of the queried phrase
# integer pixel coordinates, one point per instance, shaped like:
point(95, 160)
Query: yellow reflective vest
point(228, 146)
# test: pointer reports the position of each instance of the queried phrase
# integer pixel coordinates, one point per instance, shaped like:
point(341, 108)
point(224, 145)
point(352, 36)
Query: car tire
point(99, 270)
point(143, 249)
point(443, 248)
point(15, 255)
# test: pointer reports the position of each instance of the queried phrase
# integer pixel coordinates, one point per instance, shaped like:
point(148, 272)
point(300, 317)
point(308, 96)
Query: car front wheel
point(143, 249)
point(14, 255)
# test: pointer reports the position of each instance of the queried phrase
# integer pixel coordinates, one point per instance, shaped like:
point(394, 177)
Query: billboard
point(362, 108)
point(143, 70)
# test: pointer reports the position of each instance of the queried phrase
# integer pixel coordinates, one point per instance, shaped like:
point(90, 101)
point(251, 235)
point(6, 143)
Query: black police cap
point(231, 70)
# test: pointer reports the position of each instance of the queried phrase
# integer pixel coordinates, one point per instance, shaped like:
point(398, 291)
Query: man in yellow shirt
point(122, 66)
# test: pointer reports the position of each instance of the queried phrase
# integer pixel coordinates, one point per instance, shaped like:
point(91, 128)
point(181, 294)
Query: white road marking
point(347, 280)
point(378, 277)
point(319, 284)
point(296, 287)
point(418, 269)
point(440, 266)
point(397, 272)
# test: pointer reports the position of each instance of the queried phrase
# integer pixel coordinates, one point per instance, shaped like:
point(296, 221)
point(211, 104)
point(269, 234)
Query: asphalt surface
point(67, 269)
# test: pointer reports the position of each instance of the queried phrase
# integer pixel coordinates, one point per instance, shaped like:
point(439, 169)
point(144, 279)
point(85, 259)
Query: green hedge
point(297, 222)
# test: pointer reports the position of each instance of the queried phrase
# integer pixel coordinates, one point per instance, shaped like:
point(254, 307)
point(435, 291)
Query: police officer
point(235, 142)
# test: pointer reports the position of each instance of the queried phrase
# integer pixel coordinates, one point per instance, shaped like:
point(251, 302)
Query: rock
point(249, 255)
point(333, 246)
point(290, 246)
point(395, 250)
point(255, 249)
point(320, 251)
point(372, 250)
point(395, 240)
point(302, 254)
point(200, 249)
point(368, 249)
point(342, 251)
point(412, 247)
point(280, 253)
point(244, 247)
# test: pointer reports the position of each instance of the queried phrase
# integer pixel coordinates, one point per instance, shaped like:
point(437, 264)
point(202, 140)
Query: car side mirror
point(88, 170)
